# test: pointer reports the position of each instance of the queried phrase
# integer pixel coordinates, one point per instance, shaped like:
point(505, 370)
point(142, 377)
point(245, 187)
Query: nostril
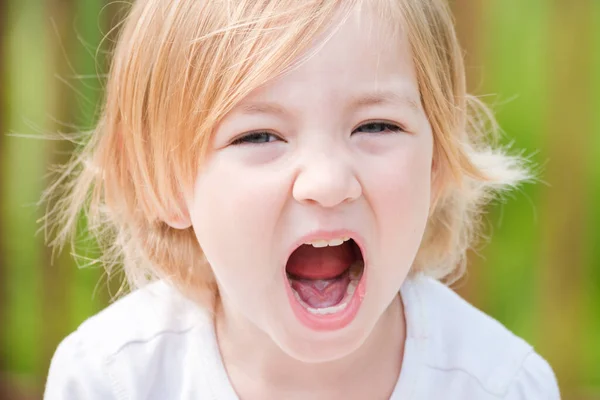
point(325, 193)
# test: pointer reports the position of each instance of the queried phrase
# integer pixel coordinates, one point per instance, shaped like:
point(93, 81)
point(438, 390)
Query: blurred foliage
point(537, 62)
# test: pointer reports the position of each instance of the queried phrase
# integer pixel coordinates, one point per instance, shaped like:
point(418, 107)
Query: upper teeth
point(325, 243)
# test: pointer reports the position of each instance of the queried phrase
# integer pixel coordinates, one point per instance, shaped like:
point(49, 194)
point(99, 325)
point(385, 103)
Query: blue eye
point(378, 127)
point(266, 137)
point(256, 138)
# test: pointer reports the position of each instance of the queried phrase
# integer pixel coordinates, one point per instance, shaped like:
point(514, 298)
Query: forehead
point(363, 61)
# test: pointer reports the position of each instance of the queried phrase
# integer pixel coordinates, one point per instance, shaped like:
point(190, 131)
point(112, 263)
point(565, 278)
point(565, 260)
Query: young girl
point(286, 183)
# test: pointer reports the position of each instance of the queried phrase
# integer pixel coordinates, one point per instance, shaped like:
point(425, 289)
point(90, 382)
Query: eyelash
point(387, 127)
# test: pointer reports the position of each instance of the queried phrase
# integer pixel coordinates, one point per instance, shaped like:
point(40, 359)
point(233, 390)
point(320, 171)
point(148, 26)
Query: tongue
point(318, 273)
point(321, 293)
point(308, 262)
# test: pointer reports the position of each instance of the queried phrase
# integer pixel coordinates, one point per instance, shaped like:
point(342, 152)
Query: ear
point(437, 183)
point(179, 221)
point(179, 216)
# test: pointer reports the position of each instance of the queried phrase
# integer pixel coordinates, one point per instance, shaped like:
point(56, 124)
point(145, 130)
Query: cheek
point(403, 176)
point(401, 195)
point(234, 212)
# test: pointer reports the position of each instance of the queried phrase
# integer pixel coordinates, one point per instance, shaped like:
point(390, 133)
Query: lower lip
point(328, 322)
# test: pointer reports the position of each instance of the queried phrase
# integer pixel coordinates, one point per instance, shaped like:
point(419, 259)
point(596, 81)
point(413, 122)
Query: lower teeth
point(356, 270)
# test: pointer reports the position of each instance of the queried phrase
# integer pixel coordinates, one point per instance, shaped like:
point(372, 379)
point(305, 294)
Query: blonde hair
point(180, 66)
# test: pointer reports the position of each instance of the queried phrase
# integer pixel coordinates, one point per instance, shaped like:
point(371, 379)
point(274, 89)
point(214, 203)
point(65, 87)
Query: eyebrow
point(262, 108)
point(385, 97)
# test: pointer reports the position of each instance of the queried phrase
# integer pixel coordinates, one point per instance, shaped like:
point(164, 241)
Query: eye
point(256, 138)
point(378, 127)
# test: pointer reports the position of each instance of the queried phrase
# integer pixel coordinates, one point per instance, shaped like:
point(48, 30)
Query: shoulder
point(147, 313)
point(117, 348)
point(75, 375)
point(464, 344)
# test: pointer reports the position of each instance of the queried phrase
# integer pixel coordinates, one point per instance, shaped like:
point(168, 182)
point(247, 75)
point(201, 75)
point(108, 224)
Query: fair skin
point(318, 166)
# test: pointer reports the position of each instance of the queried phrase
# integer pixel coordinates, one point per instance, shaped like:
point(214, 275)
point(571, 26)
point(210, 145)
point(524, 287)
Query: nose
point(326, 179)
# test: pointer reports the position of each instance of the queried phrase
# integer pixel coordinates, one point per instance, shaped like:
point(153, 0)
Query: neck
point(256, 365)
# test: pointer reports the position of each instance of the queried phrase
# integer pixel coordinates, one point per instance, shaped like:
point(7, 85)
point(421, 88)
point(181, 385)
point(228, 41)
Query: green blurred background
point(536, 61)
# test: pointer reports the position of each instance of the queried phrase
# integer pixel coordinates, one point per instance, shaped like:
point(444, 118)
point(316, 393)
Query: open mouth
point(323, 279)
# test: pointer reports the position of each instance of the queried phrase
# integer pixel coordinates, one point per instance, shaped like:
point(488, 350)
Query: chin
point(321, 347)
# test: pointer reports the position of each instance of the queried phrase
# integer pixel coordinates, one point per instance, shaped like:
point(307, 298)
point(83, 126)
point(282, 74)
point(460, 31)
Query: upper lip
point(329, 235)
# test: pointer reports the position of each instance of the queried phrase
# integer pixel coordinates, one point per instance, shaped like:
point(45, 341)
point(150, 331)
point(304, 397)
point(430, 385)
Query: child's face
point(347, 153)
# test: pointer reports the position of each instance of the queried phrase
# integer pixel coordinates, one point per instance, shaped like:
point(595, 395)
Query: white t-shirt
point(155, 345)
